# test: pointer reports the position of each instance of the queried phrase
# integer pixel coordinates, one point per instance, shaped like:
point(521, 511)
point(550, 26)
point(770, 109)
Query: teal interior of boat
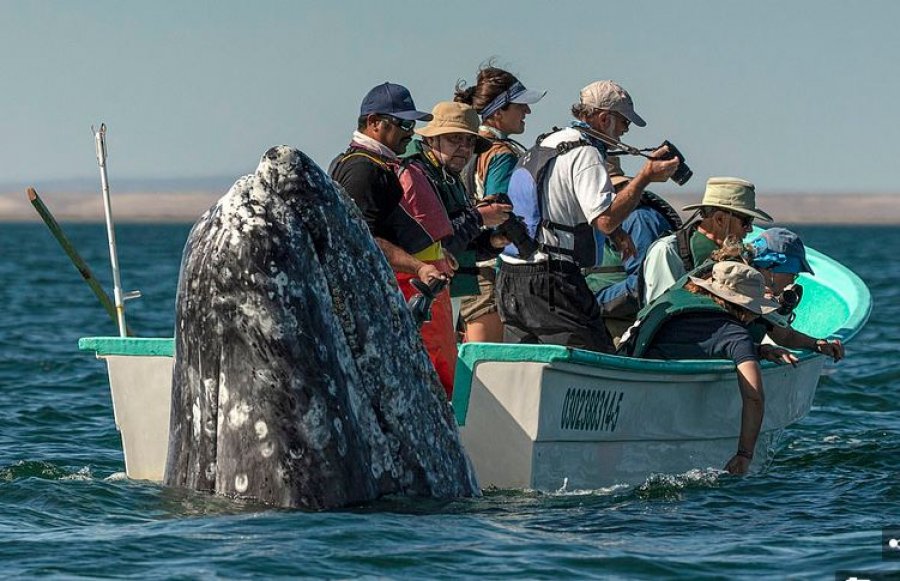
point(836, 304)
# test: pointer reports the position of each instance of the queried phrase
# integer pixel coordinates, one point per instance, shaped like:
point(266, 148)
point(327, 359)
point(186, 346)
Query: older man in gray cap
point(727, 211)
point(543, 297)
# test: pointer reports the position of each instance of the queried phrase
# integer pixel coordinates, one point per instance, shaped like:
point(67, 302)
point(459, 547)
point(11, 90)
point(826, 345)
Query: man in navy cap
point(407, 228)
point(367, 170)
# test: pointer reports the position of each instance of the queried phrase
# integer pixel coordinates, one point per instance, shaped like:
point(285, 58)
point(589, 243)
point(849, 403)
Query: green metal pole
point(73, 255)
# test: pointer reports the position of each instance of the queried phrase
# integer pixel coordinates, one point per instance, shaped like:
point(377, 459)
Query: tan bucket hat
point(739, 284)
point(733, 194)
point(451, 117)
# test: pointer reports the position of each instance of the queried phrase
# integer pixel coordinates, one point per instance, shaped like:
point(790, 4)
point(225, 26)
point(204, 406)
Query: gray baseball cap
point(611, 96)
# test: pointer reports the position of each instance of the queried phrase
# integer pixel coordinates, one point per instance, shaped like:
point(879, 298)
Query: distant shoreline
point(186, 207)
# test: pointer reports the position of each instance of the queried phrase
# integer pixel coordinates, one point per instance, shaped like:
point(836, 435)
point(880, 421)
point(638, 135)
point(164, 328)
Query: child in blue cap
point(780, 256)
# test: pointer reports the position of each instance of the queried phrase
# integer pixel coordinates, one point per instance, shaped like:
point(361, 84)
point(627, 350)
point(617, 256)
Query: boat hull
point(142, 401)
point(545, 416)
point(558, 424)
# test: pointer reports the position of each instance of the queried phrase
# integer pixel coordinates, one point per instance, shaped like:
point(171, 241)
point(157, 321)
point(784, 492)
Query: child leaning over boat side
point(709, 319)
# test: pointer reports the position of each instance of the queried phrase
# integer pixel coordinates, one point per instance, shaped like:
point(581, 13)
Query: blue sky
point(795, 96)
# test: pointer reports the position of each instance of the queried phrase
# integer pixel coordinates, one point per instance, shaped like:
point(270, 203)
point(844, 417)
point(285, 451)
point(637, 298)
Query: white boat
point(547, 417)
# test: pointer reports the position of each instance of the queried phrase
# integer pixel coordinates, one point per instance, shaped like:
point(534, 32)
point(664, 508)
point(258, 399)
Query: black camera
point(420, 304)
point(789, 299)
point(515, 230)
point(683, 173)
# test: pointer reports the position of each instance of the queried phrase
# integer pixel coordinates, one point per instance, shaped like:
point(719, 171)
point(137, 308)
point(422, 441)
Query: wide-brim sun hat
point(451, 117)
point(740, 285)
point(732, 194)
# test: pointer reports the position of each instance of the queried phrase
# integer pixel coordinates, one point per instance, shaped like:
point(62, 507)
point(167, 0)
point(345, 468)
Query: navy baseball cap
point(394, 100)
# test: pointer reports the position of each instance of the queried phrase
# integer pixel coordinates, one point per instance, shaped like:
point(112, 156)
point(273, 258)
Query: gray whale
point(300, 378)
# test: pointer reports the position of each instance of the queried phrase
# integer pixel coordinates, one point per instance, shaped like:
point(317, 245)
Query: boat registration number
point(591, 410)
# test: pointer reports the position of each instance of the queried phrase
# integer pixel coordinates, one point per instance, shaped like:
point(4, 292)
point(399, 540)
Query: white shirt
point(576, 190)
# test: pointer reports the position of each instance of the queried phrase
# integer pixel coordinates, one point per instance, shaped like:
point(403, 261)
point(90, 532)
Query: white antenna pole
point(100, 141)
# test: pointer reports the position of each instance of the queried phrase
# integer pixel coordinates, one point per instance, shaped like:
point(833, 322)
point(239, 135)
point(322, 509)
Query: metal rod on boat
point(67, 246)
point(100, 142)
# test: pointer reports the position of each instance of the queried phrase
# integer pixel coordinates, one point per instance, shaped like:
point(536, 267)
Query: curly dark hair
point(491, 81)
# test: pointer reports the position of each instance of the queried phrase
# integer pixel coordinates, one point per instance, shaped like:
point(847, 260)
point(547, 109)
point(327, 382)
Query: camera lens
point(682, 174)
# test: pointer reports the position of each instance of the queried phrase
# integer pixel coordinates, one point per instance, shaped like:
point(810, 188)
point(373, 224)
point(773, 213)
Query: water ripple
point(67, 510)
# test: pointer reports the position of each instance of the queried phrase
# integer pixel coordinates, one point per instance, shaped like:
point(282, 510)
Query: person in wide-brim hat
point(726, 214)
point(732, 194)
point(449, 118)
point(739, 285)
point(700, 331)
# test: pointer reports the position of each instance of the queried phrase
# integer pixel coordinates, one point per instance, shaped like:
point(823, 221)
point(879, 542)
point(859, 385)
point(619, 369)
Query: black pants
point(550, 303)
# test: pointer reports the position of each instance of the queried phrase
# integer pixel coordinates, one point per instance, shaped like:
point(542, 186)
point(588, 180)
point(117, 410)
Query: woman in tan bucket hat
point(432, 165)
point(709, 319)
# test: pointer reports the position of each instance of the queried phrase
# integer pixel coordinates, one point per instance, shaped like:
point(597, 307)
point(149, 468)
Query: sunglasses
point(625, 119)
point(746, 221)
point(404, 124)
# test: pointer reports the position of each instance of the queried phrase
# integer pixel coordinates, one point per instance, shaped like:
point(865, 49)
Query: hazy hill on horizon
point(185, 199)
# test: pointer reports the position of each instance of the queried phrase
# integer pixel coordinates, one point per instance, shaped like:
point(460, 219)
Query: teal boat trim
point(471, 354)
point(133, 346)
point(836, 304)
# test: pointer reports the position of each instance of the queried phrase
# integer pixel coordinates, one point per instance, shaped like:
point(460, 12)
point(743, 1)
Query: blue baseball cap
point(394, 100)
point(780, 250)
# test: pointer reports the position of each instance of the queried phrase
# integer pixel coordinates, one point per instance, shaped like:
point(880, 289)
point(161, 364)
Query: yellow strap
point(433, 252)
point(372, 158)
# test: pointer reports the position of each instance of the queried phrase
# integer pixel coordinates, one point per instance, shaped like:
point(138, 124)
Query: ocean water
point(66, 510)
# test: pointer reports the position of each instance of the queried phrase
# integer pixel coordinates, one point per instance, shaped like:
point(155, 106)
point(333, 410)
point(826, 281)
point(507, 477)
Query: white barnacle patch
point(315, 425)
point(266, 449)
point(262, 430)
point(341, 440)
point(239, 414)
point(224, 394)
point(281, 282)
point(241, 482)
point(195, 419)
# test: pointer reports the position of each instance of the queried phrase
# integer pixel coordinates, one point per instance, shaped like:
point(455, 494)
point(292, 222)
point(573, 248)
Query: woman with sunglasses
point(503, 102)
